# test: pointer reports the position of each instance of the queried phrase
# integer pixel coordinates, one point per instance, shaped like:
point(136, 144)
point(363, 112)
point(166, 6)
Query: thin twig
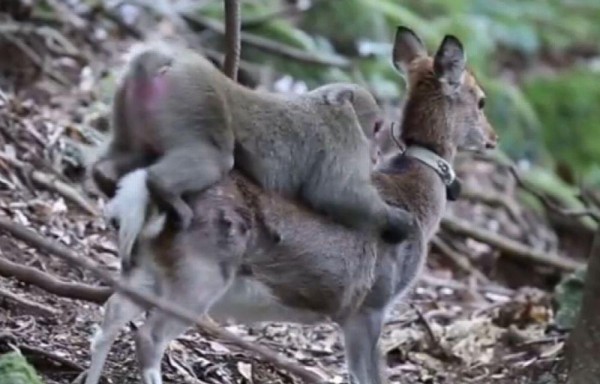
point(437, 349)
point(593, 214)
point(508, 246)
point(432, 337)
point(30, 237)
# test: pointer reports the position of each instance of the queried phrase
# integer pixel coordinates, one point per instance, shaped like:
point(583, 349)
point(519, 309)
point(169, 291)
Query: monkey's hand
point(179, 213)
point(127, 210)
point(400, 224)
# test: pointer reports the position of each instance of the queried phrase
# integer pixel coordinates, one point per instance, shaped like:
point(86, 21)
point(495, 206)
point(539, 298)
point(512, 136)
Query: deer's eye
point(481, 103)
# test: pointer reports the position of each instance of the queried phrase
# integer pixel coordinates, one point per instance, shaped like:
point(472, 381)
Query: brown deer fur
point(226, 264)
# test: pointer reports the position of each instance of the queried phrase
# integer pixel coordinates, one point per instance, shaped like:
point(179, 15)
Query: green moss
point(14, 369)
point(568, 294)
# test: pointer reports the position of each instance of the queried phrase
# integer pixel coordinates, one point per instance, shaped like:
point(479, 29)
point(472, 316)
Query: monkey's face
point(386, 143)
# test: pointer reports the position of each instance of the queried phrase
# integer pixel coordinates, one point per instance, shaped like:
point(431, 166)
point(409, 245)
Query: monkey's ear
point(407, 47)
point(338, 96)
point(450, 63)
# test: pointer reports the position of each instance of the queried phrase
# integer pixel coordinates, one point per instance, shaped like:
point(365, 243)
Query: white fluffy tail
point(128, 208)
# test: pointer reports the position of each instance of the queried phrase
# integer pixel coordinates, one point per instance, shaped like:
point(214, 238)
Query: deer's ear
point(450, 63)
point(407, 47)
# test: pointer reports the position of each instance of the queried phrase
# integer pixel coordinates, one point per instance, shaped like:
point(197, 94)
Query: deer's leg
point(118, 311)
point(196, 285)
point(361, 336)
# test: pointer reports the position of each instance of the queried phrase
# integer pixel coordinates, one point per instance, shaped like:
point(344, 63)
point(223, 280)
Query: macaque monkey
point(177, 114)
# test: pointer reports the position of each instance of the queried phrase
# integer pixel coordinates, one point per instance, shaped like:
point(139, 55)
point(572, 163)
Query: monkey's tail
point(128, 208)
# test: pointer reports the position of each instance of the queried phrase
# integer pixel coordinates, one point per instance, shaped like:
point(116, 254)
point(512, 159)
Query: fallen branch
point(52, 183)
point(50, 283)
point(508, 246)
point(33, 352)
point(26, 305)
point(30, 237)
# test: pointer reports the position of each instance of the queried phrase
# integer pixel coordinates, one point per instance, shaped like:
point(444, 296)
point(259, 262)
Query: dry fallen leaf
point(245, 370)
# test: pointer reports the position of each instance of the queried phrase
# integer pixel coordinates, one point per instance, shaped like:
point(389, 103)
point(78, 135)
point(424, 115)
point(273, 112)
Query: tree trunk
point(583, 348)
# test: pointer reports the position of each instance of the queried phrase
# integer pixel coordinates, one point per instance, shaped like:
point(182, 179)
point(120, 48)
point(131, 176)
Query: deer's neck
point(425, 124)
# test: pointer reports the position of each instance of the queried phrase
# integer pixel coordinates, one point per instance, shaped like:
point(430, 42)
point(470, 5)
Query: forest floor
point(479, 315)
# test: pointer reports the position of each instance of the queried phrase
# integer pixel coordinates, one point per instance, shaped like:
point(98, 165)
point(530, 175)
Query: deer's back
point(317, 265)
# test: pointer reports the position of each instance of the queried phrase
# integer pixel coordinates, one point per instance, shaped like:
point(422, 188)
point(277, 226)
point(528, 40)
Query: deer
point(227, 266)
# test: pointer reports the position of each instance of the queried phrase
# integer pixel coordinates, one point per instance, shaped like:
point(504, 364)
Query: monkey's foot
point(181, 216)
point(400, 224)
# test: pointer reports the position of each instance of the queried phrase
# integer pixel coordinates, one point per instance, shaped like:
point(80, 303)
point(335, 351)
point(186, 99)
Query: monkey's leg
point(186, 170)
point(361, 336)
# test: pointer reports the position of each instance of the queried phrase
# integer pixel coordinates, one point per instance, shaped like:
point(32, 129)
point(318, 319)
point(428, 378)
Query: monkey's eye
point(481, 103)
